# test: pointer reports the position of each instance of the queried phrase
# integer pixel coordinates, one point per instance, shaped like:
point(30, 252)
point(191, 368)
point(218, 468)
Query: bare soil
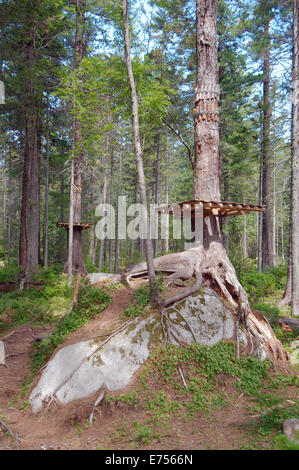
point(67, 427)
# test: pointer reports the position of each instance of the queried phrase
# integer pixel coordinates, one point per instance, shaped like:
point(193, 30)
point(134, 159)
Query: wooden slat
point(225, 208)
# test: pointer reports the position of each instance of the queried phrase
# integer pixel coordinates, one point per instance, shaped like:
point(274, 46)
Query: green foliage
point(36, 305)
point(130, 398)
point(258, 285)
point(266, 309)
point(207, 372)
point(143, 433)
point(91, 302)
point(140, 304)
point(211, 361)
point(9, 274)
point(272, 420)
point(286, 337)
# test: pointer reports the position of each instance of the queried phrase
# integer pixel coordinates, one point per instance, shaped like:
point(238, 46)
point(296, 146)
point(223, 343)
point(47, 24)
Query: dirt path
point(115, 424)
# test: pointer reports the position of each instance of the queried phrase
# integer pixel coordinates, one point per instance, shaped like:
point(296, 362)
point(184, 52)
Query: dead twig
point(5, 429)
point(182, 376)
point(97, 402)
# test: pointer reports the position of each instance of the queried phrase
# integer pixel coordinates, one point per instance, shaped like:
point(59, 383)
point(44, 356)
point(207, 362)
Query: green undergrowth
point(42, 304)
point(286, 337)
point(264, 431)
point(140, 304)
point(210, 374)
point(91, 301)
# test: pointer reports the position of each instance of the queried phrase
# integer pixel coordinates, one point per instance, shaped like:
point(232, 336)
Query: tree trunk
point(30, 207)
point(70, 241)
point(245, 247)
point(117, 240)
point(104, 200)
point(166, 247)
point(209, 262)
point(267, 253)
point(46, 213)
point(157, 184)
point(138, 153)
point(111, 203)
point(295, 164)
point(78, 266)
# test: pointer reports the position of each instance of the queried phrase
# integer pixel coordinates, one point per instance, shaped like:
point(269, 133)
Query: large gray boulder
point(81, 369)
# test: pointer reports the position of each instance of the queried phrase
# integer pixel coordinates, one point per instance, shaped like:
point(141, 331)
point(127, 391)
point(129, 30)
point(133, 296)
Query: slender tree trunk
point(282, 229)
point(104, 200)
point(245, 247)
point(166, 248)
point(78, 265)
point(92, 232)
point(117, 240)
point(62, 256)
point(71, 229)
point(111, 203)
point(295, 164)
point(157, 184)
point(138, 154)
point(267, 237)
point(260, 219)
point(132, 243)
point(274, 214)
point(46, 214)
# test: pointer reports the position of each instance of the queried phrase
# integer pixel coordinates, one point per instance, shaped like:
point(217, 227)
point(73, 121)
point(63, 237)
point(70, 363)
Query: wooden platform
point(215, 208)
point(76, 224)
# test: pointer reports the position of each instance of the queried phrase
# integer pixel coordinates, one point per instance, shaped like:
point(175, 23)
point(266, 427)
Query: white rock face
point(207, 317)
point(99, 277)
point(79, 370)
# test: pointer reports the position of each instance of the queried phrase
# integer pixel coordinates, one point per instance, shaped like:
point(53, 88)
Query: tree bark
point(209, 262)
point(30, 207)
point(138, 153)
point(78, 266)
point(117, 240)
point(295, 164)
point(104, 200)
point(157, 183)
point(267, 236)
point(111, 203)
point(46, 213)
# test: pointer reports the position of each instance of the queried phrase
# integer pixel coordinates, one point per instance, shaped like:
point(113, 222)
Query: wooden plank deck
point(76, 224)
point(224, 208)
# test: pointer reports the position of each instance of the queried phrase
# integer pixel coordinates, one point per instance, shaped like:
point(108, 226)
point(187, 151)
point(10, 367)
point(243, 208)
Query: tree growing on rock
point(209, 262)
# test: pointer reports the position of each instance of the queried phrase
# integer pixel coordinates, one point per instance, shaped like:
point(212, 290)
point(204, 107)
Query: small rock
point(290, 427)
point(100, 277)
point(2, 353)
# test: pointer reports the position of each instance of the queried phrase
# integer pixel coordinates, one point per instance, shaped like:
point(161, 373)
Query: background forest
point(71, 128)
point(63, 68)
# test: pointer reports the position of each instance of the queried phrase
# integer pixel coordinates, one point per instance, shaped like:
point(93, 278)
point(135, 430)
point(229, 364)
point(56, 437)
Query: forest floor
point(148, 414)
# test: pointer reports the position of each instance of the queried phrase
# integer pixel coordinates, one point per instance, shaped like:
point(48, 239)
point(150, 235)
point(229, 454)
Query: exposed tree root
point(212, 266)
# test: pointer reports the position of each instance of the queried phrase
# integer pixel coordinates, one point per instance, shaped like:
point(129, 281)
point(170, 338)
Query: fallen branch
point(5, 429)
point(97, 402)
point(182, 376)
